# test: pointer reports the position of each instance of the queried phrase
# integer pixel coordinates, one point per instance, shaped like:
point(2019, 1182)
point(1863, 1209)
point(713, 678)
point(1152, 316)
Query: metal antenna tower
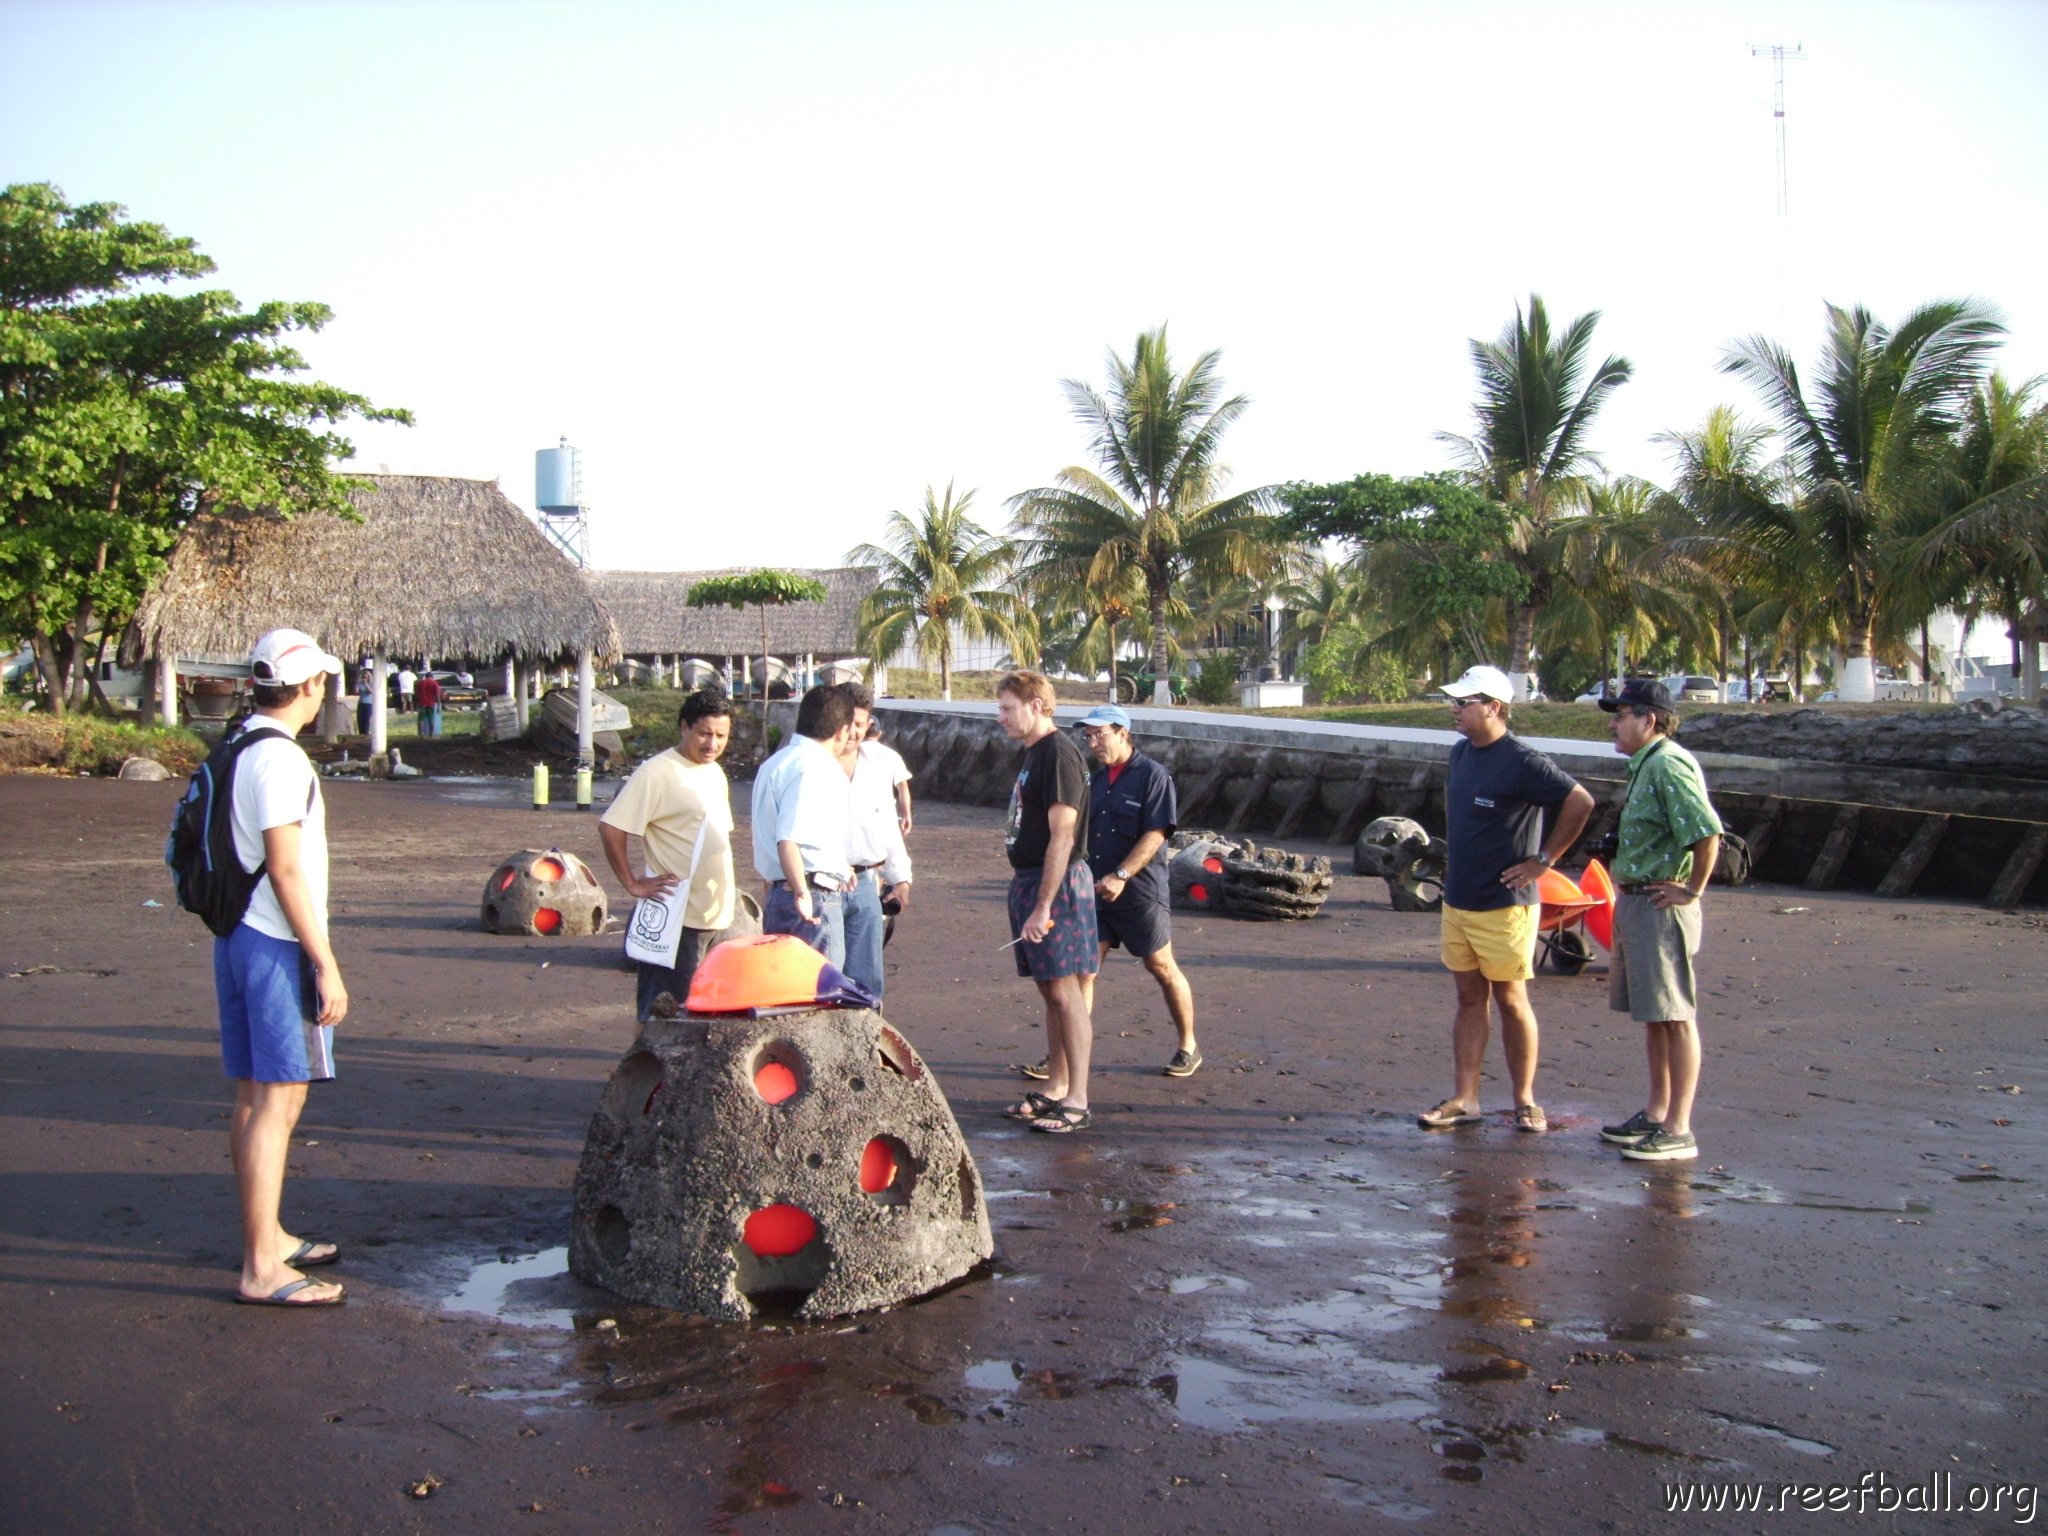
point(1778, 53)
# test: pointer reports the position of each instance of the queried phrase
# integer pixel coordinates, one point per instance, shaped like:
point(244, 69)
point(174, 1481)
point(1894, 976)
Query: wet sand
point(1256, 1300)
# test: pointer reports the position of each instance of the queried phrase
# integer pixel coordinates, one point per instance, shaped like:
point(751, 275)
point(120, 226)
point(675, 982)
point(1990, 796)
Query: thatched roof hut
point(655, 617)
point(436, 567)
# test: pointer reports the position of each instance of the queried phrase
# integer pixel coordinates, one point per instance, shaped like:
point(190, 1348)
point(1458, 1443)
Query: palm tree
point(1869, 448)
point(1988, 545)
point(940, 574)
point(1154, 507)
point(1537, 401)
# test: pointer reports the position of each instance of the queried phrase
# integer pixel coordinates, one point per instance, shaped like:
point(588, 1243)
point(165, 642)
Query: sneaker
point(1662, 1146)
point(1038, 1073)
point(1631, 1130)
point(1184, 1064)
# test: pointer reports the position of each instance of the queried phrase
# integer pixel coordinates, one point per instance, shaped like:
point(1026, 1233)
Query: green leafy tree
point(124, 409)
point(1155, 505)
point(1431, 548)
point(763, 589)
point(1538, 396)
point(941, 574)
point(1868, 449)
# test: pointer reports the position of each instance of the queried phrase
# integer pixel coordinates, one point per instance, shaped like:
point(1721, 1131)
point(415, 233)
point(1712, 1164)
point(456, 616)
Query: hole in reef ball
point(878, 1163)
point(1198, 893)
point(548, 869)
point(774, 1082)
point(777, 1231)
point(547, 920)
point(1213, 864)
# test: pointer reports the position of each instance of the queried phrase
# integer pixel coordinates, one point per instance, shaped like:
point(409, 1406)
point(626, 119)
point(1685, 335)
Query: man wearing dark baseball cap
point(1668, 840)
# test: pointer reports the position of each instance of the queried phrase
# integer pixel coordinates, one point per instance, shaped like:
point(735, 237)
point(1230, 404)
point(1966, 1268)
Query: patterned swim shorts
point(1071, 949)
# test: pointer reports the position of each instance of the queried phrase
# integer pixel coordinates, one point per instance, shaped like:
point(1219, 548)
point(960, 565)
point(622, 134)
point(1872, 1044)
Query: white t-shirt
point(873, 835)
point(275, 785)
point(682, 812)
point(890, 759)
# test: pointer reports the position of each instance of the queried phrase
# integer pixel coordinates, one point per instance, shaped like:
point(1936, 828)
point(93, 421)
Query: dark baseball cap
point(1643, 692)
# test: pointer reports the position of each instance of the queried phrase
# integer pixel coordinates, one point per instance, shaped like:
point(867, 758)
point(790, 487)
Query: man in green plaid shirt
point(1669, 839)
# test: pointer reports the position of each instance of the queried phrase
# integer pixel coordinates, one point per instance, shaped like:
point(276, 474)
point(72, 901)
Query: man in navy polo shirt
point(1494, 798)
point(1132, 812)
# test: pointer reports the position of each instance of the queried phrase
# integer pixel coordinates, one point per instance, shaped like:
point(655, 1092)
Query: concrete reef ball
point(1402, 853)
point(805, 1159)
point(1211, 872)
point(544, 892)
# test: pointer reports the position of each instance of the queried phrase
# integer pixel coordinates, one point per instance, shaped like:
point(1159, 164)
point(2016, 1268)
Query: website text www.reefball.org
point(1939, 1493)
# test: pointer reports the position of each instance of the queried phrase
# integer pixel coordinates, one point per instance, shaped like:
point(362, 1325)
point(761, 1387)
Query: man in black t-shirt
point(1052, 895)
point(1494, 800)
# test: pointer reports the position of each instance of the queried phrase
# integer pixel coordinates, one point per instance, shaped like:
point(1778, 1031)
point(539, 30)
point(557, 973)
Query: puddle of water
point(1785, 1365)
point(992, 1376)
point(1771, 1432)
point(1210, 1395)
point(1586, 1435)
point(1191, 1285)
point(489, 1290)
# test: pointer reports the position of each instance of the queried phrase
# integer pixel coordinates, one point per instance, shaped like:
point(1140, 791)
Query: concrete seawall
point(1823, 825)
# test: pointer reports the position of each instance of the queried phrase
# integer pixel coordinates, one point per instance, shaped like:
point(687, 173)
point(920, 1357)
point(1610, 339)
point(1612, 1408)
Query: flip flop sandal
point(1062, 1119)
point(1036, 1106)
point(282, 1296)
point(303, 1257)
point(1446, 1115)
point(1530, 1117)
point(1037, 1074)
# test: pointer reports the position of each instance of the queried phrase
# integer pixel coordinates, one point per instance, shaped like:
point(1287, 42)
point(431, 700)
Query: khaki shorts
point(1650, 977)
point(1499, 944)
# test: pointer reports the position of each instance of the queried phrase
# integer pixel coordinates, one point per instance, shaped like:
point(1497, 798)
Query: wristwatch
point(1543, 858)
point(1123, 877)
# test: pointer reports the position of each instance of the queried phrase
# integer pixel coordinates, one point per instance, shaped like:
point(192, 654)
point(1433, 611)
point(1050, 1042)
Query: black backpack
point(200, 851)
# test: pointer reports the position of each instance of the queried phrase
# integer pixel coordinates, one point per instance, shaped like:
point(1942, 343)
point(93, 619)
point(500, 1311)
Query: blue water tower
point(558, 492)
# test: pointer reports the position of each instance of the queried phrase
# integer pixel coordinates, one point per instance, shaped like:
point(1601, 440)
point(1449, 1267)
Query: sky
point(775, 267)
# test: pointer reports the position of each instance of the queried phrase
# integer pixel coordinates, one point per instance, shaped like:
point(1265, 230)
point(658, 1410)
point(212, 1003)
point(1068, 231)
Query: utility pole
point(1778, 53)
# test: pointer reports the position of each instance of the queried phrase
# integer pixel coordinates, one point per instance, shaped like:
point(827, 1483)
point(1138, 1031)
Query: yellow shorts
point(1500, 944)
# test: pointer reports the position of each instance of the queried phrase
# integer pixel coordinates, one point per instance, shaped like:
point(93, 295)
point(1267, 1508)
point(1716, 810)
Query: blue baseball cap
point(1105, 714)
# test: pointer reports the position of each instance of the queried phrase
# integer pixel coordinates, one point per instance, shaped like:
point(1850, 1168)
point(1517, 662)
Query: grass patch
point(88, 744)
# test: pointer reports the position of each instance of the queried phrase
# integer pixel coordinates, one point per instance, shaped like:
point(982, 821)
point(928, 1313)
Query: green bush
point(1215, 679)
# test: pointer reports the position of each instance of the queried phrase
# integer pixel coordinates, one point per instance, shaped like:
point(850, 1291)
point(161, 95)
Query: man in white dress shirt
point(802, 805)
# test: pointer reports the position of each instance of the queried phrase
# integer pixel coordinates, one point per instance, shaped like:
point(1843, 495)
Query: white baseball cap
point(288, 657)
point(1482, 683)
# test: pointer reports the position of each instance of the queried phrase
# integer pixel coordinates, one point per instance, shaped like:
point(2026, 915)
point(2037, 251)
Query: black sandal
point(1036, 1106)
point(1061, 1119)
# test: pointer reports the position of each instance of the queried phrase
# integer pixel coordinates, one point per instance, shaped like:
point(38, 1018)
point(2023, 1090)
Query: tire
point(1569, 952)
point(1126, 688)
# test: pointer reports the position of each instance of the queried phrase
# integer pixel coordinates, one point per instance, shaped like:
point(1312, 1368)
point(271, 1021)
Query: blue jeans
point(864, 922)
point(827, 935)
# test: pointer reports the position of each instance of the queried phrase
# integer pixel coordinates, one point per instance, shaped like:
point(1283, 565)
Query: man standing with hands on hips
point(1667, 843)
point(1494, 798)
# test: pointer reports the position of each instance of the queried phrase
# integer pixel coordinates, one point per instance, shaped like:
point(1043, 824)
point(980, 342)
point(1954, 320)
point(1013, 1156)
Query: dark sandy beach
point(1256, 1300)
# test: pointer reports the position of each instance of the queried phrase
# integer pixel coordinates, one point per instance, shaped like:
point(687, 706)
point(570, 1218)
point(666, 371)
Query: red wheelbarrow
point(1571, 909)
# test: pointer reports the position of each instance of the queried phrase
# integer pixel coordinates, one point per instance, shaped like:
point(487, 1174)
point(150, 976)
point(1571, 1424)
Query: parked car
point(457, 695)
point(1693, 688)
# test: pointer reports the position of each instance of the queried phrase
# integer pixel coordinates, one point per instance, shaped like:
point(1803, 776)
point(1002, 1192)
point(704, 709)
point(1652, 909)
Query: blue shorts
point(1071, 948)
point(1139, 923)
point(267, 1006)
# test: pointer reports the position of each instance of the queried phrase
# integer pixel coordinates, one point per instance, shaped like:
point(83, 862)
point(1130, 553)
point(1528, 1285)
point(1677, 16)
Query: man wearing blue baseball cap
point(1132, 811)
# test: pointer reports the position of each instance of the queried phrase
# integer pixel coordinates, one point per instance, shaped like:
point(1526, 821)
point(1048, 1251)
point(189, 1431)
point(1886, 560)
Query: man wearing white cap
point(1494, 799)
point(279, 987)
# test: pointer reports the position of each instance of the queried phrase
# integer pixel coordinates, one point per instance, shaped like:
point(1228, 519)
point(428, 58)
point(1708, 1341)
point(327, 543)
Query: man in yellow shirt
point(680, 808)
